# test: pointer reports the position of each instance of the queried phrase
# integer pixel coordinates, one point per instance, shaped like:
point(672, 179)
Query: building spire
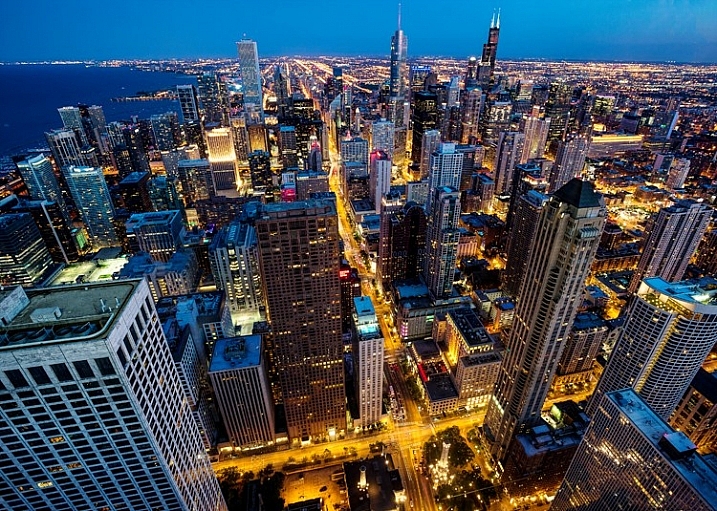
point(399, 16)
point(497, 24)
point(492, 20)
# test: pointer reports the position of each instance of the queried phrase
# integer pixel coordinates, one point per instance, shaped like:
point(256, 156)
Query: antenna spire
point(492, 20)
point(399, 16)
point(497, 25)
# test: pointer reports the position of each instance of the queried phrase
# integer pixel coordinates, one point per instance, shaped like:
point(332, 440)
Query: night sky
point(656, 30)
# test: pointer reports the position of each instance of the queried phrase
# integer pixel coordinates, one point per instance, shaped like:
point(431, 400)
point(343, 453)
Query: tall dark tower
point(486, 67)
point(399, 49)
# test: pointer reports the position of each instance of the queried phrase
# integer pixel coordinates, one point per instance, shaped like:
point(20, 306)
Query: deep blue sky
point(681, 30)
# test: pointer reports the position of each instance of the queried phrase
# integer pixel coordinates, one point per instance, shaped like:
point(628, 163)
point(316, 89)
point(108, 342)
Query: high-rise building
point(133, 193)
point(213, 97)
point(299, 261)
point(472, 103)
point(24, 258)
point(92, 197)
point(679, 170)
point(188, 103)
point(222, 158)
point(241, 386)
point(287, 146)
point(631, 459)
point(486, 67)
point(585, 340)
point(557, 107)
point(382, 136)
point(399, 51)
point(569, 160)
point(379, 177)
point(566, 239)
point(260, 169)
point(96, 368)
point(165, 131)
point(355, 150)
point(402, 241)
point(446, 167)
point(670, 328)
point(706, 257)
point(536, 137)
point(251, 77)
point(520, 239)
point(673, 239)
point(442, 238)
point(158, 233)
point(67, 149)
point(367, 362)
point(235, 267)
point(430, 143)
point(39, 178)
point(509, 153)
point(425, 118)
point(195, 177)
point(696, 412)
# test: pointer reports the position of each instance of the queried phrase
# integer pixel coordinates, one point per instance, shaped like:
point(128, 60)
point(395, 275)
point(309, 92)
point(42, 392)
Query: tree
point(231, 484)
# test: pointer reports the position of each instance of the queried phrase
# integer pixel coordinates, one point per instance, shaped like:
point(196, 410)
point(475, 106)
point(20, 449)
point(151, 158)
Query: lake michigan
point(31, 94)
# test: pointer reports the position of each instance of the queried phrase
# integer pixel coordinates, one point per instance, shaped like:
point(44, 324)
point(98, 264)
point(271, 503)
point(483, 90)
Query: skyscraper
point(399, 49)
point(367, 361)
point(24, 258)
point(429, 144)
point(213, 96)
point(670, 328)
point(425, 118)
point(299, 262)
point(569, 160)
point(673, 239)
point(382, 136)
point(566, 239)
point(159, 233)
point(379, 177)
point(39, 178)
point(402, 241)
point(446, 166)
point(442, 238)
point(631, 459)
point(188, 103)
point(222, 159)
point(536, 136)
point(486, 67)
point(251, 77)
point(92, 197)
point(508, 154)
point(67, 149)
point(96, 368)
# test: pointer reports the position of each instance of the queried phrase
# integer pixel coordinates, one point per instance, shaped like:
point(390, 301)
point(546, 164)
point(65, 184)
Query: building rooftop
point(236, 353)
point(153, 218)
point(675, 446)
point(470, 326)
point(440, 387)
point(66, 313)
point(490, 357)
point(299, 208)
point(705, 383)
point(379, 494)
point(133, 178)
point(698, 295)
point(579, 193)
point(587, 320)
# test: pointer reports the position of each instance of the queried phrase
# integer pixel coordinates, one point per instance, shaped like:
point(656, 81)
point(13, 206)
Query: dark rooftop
point(580, 194)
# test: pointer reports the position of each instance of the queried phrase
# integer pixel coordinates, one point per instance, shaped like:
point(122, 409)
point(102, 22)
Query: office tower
point(442, 241)
point(569, 160)
point(424, 118)
point(399, 50)
point(194, 136)
point(557, 107)
point(379, 177)
point(54, 227)
point(486, 67)
point(354, 150)
point(222, 159)
point(178, 276)
point(566, 239)
point(158, 233)
point(445, 168)
point(164, 193)
point(315, 161)
point(240, 134)
point(88, 189)
point(350, 282)
point(251, 77)
point(670, 328)
point(496, 117)
point(96, 369)
point(472, 103)
point(39, 178)
point(136, 143)
point(430, 142)
point(299, 262)
point(631, 459)
point(213, 97)
point(697, 410)
point(706, 257)
point(677, 174)
point(165, 131)
point(66, 148)
point(195, 177)
point(520, 239)
point(72, 119)
point(133, 193)
point(367, 362)
point(536, 136)
point(585, 340)
point(24, 258)
point(240, 383)
point(287, 146)
point(508, 154)
point(382, 136)
point(674, 236)
point(260, 169)
point(188, 103)
point(417, 75)
point(309, 182)
point(403, 245)
point(282, 90)
point(233, 258)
